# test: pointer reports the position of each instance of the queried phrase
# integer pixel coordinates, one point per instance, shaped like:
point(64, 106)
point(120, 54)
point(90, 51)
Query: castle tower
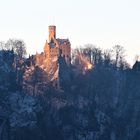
point(52, 32)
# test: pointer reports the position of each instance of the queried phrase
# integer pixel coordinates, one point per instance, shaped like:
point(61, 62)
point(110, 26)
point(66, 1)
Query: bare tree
point(9, 45)
point(19, 48)
point(107, 55)
point(97, 55)
point(2, 45)
point(88, 49)
point(119, 54)
point(136, 58)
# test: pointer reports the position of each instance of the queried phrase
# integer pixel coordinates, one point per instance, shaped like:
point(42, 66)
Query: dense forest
point(100, 102)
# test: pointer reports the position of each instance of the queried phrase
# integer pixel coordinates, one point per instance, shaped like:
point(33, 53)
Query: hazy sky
point(104, 23)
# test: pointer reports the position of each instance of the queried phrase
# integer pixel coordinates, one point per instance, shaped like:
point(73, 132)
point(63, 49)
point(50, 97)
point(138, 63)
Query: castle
point(52, 65)
point(53, 49)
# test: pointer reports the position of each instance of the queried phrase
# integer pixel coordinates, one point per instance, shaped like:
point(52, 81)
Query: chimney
point(52, 33)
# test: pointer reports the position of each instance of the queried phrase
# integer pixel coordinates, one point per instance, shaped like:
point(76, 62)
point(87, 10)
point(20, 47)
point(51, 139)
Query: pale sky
point(103, 23)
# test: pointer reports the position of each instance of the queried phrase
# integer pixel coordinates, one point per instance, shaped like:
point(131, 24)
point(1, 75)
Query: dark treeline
point(101, 103)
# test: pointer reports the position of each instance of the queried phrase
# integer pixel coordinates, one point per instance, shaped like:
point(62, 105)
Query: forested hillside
point(100, 102)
